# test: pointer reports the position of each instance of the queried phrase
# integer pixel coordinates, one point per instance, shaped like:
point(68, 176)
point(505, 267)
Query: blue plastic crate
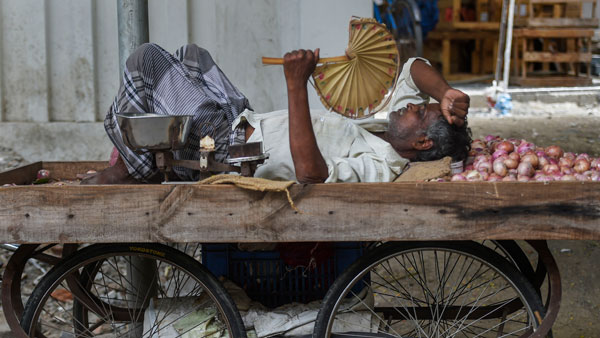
point(267, 279)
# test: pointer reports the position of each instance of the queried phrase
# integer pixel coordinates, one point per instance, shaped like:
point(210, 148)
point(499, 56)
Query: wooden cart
point(327, 212)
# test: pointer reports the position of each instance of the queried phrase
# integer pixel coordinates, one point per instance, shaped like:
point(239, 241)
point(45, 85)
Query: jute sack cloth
point(425, 171)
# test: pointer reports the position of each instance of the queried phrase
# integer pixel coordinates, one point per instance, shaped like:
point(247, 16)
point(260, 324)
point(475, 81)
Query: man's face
point(407, 124)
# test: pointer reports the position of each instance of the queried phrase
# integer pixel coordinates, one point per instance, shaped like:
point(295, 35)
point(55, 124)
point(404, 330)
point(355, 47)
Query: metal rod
point(133, 32)
point(133, 27)
point(507, 49)
point(501, 41)
point(554, 89)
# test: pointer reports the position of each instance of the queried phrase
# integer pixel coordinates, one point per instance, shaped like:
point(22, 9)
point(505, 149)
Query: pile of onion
point(497, 159)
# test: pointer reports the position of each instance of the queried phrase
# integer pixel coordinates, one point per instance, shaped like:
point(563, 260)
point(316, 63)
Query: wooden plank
point(490, 26)
point(550, 2)
point(551, 81)
point(556, 57)
point(22, 175)
point(329, 212)
point(556, 22)
point(553, 33)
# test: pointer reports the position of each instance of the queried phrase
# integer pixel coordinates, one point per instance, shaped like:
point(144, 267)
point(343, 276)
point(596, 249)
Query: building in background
point(59, 60)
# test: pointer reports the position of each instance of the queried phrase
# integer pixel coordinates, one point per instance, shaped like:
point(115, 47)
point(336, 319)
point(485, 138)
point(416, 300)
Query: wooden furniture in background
point(469, 14)
point(482, 51)
point(556, 13)
point(551, 57)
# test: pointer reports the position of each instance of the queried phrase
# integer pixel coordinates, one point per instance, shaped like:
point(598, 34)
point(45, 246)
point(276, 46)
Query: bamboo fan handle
point(279, 61)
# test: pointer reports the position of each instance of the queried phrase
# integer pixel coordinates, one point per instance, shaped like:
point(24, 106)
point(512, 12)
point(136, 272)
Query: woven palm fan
point(356, 84)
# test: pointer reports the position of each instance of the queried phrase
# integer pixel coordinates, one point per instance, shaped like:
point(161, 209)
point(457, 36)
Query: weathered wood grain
point(330, 212)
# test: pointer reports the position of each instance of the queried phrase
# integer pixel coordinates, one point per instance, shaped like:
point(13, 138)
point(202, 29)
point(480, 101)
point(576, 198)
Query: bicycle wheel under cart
point(130, 290)
point(430, 289)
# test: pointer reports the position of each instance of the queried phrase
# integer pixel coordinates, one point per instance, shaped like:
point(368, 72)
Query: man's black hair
point(448, 140)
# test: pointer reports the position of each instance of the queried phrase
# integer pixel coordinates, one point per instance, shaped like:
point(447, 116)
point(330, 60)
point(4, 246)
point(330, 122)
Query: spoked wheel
point(130, 290)
point(430, 289)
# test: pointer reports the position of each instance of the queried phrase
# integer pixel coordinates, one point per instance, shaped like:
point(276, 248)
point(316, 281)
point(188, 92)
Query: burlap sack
point(425, 171)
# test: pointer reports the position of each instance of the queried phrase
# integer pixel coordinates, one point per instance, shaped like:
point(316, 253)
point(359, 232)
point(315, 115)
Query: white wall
point(59, 58)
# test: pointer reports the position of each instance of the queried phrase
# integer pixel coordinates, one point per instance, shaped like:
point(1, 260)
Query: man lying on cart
point(305, 146)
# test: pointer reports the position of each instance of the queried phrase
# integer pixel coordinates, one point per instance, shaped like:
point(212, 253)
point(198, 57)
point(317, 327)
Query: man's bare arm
point(308, 162)
point(454, 103)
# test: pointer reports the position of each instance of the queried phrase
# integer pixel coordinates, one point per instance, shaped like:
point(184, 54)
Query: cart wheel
point(39, 256)
point(130, 290)
point(430, 289)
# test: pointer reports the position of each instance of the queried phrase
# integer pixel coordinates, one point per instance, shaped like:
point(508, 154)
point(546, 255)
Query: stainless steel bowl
point(153, 131)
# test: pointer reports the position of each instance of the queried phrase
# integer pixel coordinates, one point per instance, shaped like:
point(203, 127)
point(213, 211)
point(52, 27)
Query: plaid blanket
point(187, 83)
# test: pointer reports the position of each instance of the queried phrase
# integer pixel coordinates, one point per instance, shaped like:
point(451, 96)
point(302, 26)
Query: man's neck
point(406, 153)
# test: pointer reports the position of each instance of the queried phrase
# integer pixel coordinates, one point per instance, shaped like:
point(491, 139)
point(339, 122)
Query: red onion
point(595, 176)
point(485, 166)
point(499, 153)
point(551, 169)
point(581, 165)
point(481, 157)
point(458, 177)
point(513, 172)
point(553, 161)
point(595, 164)
point(523, 178)
point(42, 174)
point(583, 156)
point(567, 171)
point(473, 175)
point(544, 178)
point(490, 138)
point(530, 158)
point(581, 177)
point(500, 169)
point(494, 178)
point(484, 175)
point(566, 162)
point(525, 169)
point(515, 156)
point(478, 144)
point(569, 155)
point(557, 176)
point(509, 178)
point(568, 178)
point(540, 153)
point(506, 146)
point(511, 163)
point(525, 147)
point(554, 151)
point(543, 160)
point(514, 141)
point(469, 167)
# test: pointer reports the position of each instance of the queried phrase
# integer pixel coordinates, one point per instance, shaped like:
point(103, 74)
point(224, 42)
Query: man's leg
point(187, 83)
point(133, 93)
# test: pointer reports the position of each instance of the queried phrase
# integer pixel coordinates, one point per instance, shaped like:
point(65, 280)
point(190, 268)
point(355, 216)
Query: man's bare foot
point(116, 174)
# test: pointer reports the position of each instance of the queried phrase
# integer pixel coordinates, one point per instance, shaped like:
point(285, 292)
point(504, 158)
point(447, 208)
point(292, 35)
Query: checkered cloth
point(187, 83)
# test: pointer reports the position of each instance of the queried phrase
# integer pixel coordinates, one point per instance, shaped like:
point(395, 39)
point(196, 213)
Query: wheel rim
point(433, 292)
point(179, 300)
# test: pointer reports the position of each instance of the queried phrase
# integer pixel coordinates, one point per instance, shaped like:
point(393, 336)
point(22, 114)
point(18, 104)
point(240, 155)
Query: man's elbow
point(310, 179)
